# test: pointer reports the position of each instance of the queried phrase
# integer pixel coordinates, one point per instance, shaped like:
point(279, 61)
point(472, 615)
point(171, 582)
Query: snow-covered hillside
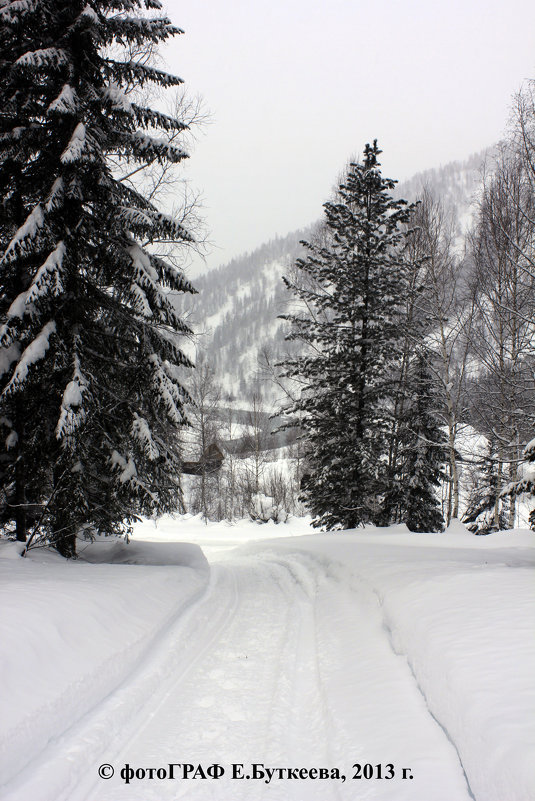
point(236, 312)
point(456, 184)
point(373, 664)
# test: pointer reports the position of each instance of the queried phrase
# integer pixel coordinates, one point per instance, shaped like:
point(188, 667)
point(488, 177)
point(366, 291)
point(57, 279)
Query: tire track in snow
point(380, 715)
point(300, 723)
point(285, 661)
point(246, 700)
point(203, 702)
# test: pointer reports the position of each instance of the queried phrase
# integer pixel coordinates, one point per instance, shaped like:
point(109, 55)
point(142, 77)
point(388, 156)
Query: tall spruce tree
point(90, 393)
point(350, 288)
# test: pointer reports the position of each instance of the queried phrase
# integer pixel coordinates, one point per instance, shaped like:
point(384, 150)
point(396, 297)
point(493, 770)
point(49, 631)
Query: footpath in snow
point(375, 664)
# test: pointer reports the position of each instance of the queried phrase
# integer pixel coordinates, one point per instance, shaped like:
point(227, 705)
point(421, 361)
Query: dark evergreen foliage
point(89, 342)
point(480, 514)
point(350, 292)
point(423, 449)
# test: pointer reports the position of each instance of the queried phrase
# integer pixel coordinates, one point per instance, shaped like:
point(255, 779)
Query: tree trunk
point(65, 541)
point(20, 501)
point(21, 521)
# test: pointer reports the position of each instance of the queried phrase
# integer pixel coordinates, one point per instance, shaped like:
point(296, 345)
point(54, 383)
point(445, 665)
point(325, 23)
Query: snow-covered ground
point(411, 655)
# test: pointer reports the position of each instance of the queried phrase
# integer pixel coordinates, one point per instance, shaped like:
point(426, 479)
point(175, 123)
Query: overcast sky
point(295, 87)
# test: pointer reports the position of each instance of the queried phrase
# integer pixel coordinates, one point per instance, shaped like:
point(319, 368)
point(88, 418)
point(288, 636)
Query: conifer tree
point(350, 289)
point(89, 340)
point(483, 513)
point(423, 449)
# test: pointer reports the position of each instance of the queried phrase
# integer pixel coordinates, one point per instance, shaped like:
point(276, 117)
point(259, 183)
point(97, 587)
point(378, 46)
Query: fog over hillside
point(237, 308)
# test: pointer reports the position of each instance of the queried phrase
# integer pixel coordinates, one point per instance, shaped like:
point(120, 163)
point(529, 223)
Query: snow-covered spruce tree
point(422, 449)
point(350, 290)
point(89, 341)
point(483, 513)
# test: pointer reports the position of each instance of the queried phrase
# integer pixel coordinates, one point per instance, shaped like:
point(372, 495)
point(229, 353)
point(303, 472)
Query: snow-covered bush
point(263, 509)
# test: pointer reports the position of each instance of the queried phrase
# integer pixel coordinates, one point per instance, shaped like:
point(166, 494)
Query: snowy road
point(285, 661)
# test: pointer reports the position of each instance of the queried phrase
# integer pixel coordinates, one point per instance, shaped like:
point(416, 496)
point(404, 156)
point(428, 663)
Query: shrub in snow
point(263, 509)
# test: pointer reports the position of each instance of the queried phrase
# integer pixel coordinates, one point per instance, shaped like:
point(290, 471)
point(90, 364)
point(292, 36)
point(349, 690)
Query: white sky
point(295, 87)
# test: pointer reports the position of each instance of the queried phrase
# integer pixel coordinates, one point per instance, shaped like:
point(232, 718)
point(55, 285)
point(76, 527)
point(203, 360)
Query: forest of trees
point(395, 330)
point(448, 383)
point(408, 341)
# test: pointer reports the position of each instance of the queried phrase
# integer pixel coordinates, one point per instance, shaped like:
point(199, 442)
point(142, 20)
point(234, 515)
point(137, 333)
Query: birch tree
point(448, 309)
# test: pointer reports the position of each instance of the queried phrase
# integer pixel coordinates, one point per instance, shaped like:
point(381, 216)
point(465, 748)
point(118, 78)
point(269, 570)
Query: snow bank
point(214, 537)
point(71, 632)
